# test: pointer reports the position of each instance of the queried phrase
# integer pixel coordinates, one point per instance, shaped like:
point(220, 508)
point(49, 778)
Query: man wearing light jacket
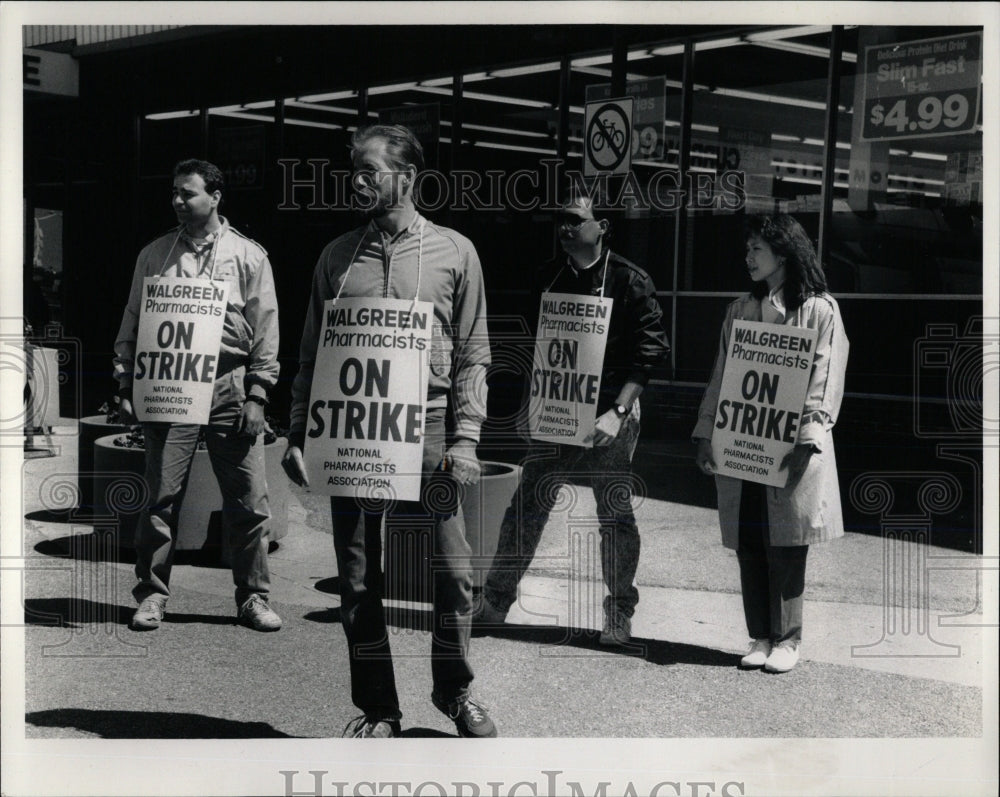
point(400, 254)
point(205, 246)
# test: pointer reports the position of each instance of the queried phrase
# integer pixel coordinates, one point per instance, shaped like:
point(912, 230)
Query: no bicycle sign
point(607, 137)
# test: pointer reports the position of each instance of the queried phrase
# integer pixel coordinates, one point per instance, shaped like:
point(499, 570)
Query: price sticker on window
point(922, 88)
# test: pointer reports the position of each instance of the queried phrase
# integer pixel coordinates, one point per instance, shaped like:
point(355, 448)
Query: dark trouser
point(608, 469)
point(358, 545)
point(238, 463)
point(772, 576)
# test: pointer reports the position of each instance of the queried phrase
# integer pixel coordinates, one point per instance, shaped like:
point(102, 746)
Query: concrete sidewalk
point(867, 669)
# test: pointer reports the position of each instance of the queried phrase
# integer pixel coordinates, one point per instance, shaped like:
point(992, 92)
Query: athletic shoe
point(256, 614)
point(487, 615)
point(755, 657)
point(148, 616)
point(617, 629)
point(470, 718)
point(783, 657)
point(365, 727)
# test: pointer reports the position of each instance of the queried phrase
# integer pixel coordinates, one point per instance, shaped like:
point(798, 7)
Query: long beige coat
point(809, 512)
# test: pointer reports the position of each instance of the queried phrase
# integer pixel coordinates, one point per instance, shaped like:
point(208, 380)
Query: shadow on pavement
point(206, 619)
point(76, 613)
point(73, 612)
point(652, 650)
point(150, 724)
point(331, 615)
point(102, 546)
point(426, 733)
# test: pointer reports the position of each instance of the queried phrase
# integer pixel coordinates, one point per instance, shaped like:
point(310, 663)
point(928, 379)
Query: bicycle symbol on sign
point(608, 137)
point(611, 133)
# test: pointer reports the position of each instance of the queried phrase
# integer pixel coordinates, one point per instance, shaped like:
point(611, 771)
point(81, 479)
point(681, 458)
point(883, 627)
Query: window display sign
point(425, 122)
point(240, 152)
point(648, 115)
point(364, 434)
point(760, 403)
point(749, 151)
point(922, 89)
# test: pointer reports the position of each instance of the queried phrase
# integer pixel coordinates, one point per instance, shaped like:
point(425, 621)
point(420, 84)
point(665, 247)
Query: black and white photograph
point(612, 383)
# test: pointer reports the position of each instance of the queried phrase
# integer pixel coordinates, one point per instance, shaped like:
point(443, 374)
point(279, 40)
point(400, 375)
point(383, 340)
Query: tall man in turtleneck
point(636, 344)
point(399, 254)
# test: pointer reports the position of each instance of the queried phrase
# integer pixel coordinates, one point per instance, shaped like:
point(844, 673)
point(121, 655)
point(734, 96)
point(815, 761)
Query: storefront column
point(562, 140)
point(362, 107)
point(458, 87)
point(830, 140)
point(203, 117)
point(680, 220)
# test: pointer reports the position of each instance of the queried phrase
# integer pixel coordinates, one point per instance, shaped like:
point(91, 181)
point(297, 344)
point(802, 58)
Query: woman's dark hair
point(787, 239)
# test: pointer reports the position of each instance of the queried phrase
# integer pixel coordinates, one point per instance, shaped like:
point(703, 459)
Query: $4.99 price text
point(925, 114)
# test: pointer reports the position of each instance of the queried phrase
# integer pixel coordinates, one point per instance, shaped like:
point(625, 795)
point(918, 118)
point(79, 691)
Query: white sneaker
point(783, 657)
point(755, 657)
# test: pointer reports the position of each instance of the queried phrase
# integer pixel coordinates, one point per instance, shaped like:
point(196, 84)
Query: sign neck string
point(604, 275)
point(213, 256)
point(388, 278)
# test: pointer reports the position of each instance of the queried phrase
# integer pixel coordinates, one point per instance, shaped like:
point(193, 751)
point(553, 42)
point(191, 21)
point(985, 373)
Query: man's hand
point(251, 419)
point(295, 466)
point(606, 429)
point(463, 464)
point(126, 414)
point(796, 461)
point(703, 458)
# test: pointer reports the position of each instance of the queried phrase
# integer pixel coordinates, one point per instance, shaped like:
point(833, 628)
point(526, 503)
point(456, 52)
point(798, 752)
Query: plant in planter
point(120, 488)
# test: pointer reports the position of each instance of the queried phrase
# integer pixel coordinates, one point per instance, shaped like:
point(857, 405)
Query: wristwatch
point(620, 410)
point(257, 399)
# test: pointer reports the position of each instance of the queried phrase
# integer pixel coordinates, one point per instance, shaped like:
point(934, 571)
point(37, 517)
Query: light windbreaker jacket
point(366, 262)
point(810, 511)
point(248, 356)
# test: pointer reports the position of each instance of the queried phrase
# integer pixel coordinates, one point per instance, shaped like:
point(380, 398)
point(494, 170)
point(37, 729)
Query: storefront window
point(759, 111)
point(643, 230)
point(908, 212)
point(164, 138)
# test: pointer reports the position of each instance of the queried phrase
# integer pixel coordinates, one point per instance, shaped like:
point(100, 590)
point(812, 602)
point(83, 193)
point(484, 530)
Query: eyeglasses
point(571, 221)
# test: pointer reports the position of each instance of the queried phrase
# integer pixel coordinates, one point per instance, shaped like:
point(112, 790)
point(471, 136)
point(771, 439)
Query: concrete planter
point(484, 507)
point(408, 552)
point(120, 494)
point(91, 428)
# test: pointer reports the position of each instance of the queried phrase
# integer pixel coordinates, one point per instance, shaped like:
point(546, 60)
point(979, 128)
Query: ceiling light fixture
point(475, 95)
point(531, 69)
point(159, 117)
point(330, 95)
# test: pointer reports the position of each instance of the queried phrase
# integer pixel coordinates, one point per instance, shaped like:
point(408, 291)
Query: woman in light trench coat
point(772, 528)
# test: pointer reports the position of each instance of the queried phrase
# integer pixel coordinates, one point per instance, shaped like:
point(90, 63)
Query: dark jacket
point(637, 341)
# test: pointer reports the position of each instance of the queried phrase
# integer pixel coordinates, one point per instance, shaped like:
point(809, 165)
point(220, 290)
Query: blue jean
point(772, 577)
point(358, 545)
point(608, 470)
point(238, 463)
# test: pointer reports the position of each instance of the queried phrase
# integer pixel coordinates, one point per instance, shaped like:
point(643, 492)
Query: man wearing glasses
point(401, 255)
point(636, 344)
